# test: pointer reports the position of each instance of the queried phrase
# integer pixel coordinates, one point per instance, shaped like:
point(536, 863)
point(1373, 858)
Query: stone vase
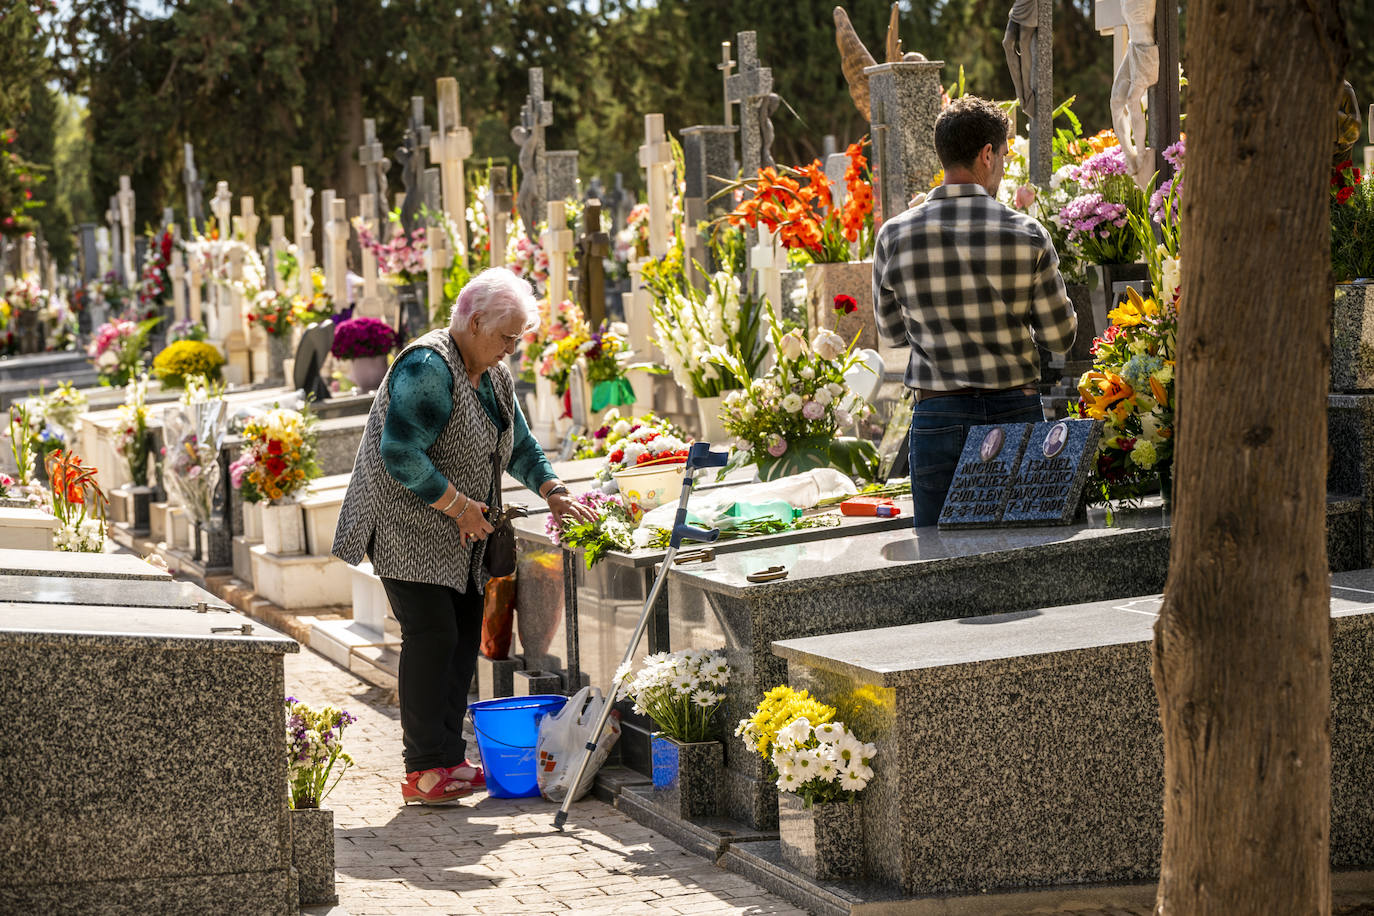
point(688, 777)
point(708, 412)
point(312, 854)
point(823, 841)
point(851, 278)
point(1352, 338)
point(283, 528)
point(252, 521)
point(214, 547)
point(367, 372)
point(279, 350)
point(138, 503)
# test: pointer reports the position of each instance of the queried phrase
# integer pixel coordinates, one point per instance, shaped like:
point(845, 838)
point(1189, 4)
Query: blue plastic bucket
point(507, 730)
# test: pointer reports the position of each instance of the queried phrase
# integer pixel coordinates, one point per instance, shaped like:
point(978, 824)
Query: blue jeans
point(938, 429)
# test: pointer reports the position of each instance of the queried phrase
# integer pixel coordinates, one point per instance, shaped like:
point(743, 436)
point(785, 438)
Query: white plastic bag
point(562, 737)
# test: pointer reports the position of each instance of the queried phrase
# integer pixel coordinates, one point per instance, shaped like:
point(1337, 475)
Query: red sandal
point(433, 787)
point(469, 772)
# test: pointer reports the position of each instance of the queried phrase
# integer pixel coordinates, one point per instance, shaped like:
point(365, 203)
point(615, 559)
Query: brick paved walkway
point(491, 855)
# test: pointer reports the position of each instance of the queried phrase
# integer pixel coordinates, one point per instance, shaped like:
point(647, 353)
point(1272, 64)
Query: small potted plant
point(681, 691)
point(366, 341)
point(314, 746)
point(821, 768)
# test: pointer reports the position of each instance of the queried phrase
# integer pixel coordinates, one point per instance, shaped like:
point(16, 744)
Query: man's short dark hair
point(965, 127)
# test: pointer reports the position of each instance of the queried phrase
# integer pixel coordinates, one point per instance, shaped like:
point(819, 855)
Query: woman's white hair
point(496, 294)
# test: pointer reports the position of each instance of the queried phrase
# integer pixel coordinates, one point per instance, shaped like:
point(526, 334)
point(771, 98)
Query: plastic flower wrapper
point(314, 746)
point(131, 433)
point(680, 691)
point(194, 431)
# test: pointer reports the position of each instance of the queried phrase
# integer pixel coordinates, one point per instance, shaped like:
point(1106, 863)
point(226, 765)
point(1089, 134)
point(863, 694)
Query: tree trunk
point(1242, 646)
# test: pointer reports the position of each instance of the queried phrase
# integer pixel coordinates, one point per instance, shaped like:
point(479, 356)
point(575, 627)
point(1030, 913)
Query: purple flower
point(1096, 169)
point(362, 336)
point(778, 448)
point(812, 410)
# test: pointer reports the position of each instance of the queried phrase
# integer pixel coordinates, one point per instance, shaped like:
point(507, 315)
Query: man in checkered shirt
point(970, 285)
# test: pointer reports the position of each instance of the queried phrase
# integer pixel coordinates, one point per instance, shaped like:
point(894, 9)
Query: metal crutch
point(699, 456)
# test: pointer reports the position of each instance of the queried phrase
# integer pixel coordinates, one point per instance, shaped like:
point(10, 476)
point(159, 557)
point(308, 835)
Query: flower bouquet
point(635, 444)
point(155, 282)
point(181, 362)
point(78, 503)
point(279, 457)
point(607, 354)
point(787, 420)
point(1352, 224)
point(118, 350)
point(1098, 219)
point(186, 329)
point(804, 215)
point(314, 744)
point(613, 529)
point(272, 311)
point(194, 431)
point(62, 408)
point(555, 324)
point(131, 433)
point(526, 258)
point(613, 435)
point(25, 429)
point(680, 691)
point(402, 259)
point(357, 338)
point(712, 339)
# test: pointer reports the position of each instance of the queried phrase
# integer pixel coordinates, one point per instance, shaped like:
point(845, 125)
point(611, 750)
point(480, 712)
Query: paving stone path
point(492, 855)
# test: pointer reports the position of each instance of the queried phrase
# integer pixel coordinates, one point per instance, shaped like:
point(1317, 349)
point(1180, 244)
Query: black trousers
point(441, 632)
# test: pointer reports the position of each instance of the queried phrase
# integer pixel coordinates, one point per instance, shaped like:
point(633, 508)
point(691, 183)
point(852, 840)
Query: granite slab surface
point(170, 628)
point(78, 565)
point(131, 593)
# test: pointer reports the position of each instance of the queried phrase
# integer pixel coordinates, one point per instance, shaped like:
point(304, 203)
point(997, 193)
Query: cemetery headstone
point(1021, 474)
point(248, 222)
point(592, 247)
point(536, 115)
point(303, 224)
point(336, 230)
point(277, 244)
point(411, 156)
point(372, 157)
point(904, 101)
point(725, 66)
point(195, 188)
point(708, 153)
point(449, 147)
point(326, 248)
point(438, 256)
point(116, 238)
point(1163, 97)
point(371, 302)
point(621, 201)
point(656, 158)
point(750, 88)
point(126, 226)
point(557, 244)
point(176, 271)
point(499, 202)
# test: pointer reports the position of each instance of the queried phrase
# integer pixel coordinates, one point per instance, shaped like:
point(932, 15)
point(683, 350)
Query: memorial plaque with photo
point(984, 476)
point(1053, 470)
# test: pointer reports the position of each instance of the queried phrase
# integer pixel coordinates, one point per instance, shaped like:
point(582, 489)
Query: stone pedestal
point(851, 278)
point(536, 683)
point(137, 508)
point(904, 101)
point(496, 676)
point(215, 551)
point(1352, 338)
point(312, 854)
point(26, 529)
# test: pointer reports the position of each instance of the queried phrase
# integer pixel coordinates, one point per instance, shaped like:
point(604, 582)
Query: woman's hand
point(473, 523)
point(562, 505)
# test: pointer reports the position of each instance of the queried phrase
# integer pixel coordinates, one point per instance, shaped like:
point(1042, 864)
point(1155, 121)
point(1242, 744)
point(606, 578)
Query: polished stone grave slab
point(144, 755)
point(103, 566)
point(47, 589)
point(1024, 749)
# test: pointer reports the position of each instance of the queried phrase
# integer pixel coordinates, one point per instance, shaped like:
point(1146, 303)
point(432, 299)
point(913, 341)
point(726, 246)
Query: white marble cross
point(499, 201)
point(557, 244)
point(767, 263)
point(371, 303)
point(836, 164)
point(656, 158)
point(220, 205)
point(450, 145)
point(438, 257)
point(116, 238)
point(336, 281)
point(176, 271)
point(372, 157)
point(248, 222)
point(191, 178)
point(126, 226)
point(277, 243)
point(326, 249)
point(303, 225)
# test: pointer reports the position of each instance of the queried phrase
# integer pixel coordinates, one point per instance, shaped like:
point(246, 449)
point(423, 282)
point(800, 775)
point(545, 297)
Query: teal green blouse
point(421, 387)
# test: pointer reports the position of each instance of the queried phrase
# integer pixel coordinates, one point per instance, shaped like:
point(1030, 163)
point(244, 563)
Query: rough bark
point(1242, 646)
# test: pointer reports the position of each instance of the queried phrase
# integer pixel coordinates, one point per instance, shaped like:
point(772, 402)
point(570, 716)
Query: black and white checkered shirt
point(965, 281)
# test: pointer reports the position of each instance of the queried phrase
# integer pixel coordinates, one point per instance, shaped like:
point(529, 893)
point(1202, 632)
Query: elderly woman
point(421, 484)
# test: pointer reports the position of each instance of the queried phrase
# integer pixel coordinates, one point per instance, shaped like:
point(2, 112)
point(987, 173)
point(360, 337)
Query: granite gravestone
point(1053, 470)
point(983, 477)
point(1021, 474)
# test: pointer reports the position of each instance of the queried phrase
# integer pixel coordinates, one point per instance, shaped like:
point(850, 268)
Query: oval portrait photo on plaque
point(1055, 439)
point(992, 444)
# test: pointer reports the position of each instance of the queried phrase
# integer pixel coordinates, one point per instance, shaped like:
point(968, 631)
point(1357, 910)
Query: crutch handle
point(685, 532)
point(699, 455)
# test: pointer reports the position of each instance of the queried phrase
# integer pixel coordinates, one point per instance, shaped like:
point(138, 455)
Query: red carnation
point(274, 447)
point(1343, 195)
point(845, 304)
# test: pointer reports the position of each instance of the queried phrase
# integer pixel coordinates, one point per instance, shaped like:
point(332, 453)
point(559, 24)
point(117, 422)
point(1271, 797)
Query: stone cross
point(336, 230)
point(1041, 116)
point(194, 310)
point(536, 115)
point(195, 201)
point(220, 205)
point(303, 224)
point(412, 158)
point(499, 202)
point(371, 302)
point(168, 217)
point(767, 264)
point(326, 249)
point(725, 66)
point(708, 153)
point(277, 244)
point(694, 250)
point(904, 101)
point(126, 226)
point(176, 272)
point(656, 158)
point(372, 158)
point(452, 144)
point(594, 245)
point(248, 222)
point(560, 174)
point(557, 244)
point(750, 87)
point(438, 254)
point(621, 202)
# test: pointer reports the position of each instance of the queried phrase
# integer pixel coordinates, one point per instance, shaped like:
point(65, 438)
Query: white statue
point(1139, 71)
point(220, 205)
